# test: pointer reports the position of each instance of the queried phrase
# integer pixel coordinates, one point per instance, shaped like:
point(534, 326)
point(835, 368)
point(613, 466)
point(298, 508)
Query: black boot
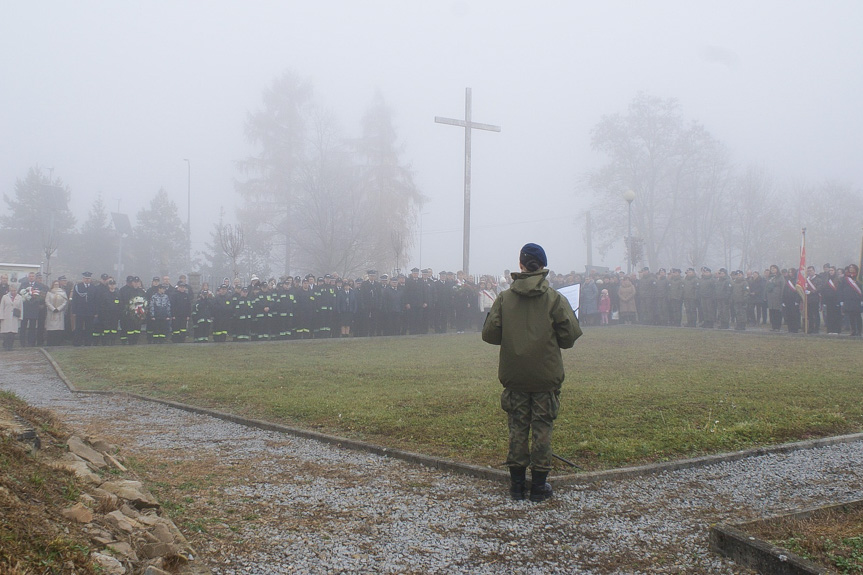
point(516, 486)
point(539, 489)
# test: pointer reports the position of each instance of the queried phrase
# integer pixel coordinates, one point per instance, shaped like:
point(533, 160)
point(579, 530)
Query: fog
point(112, 96)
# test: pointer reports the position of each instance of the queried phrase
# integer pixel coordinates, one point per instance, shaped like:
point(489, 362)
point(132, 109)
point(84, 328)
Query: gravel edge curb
point(735, 543)
point(761, 556)
point(473, 470)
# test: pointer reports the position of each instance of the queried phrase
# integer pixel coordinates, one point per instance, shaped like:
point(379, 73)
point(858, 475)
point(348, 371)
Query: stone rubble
point(121, 518)
point(134, 535)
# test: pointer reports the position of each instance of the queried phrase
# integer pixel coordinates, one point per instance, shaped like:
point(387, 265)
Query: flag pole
point(861, 258)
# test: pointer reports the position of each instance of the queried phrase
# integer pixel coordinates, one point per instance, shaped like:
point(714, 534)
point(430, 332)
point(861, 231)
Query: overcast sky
point(113, 96)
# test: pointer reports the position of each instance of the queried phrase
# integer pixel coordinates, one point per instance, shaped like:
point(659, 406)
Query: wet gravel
point(328, 510)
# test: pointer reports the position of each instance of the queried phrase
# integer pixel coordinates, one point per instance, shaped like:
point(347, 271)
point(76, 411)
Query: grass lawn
point(632, 394)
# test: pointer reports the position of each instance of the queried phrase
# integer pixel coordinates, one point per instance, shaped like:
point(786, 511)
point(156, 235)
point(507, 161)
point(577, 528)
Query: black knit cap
point(532, 252)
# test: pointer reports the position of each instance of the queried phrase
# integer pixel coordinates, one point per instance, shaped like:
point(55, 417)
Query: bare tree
point(50, 243)
point(832, 213)
point(336, 232)
point(233, 243)
point(398, 247)
point(678, 172)
point(752, 195)
point(701, 207)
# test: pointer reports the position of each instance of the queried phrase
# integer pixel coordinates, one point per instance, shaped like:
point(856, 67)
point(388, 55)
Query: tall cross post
point(467, 124)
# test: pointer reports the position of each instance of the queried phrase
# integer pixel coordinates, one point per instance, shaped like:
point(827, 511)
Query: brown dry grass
point(192, 489)
point(832, 538)
point(34, 537)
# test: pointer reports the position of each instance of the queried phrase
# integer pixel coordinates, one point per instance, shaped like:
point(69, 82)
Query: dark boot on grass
point(539, 489)
point(517, 488)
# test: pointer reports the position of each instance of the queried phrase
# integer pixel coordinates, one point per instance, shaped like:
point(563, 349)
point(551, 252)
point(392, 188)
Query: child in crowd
point(604, 306)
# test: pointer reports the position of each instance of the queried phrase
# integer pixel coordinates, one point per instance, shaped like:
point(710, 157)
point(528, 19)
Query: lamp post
point(421, 237)
point(629, 196)
point(189, 216)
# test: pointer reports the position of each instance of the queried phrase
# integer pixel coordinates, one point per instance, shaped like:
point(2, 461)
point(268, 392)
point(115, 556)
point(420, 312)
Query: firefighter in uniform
point(223, 311)
point(242, 315)
point(181, 309)
point(305, 307)
point(133, 300)
point(202, 316)
point(110, 312)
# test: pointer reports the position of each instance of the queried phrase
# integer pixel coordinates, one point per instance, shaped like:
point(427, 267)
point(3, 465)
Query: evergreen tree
point(387, 184)
point(39, 219)
point(326, 204)
point(95, 248)
point(273, 174)
point(216, 265)
point(160, 244)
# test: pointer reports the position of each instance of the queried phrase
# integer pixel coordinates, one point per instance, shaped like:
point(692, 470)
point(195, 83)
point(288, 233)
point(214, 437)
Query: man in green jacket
point(531, 322)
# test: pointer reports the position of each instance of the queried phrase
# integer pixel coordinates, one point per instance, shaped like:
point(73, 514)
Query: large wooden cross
point(467, 124)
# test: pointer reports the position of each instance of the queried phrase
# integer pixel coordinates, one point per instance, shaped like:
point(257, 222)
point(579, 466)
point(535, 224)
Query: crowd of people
point(99, 312)
point(828, 301)
point(96, 311)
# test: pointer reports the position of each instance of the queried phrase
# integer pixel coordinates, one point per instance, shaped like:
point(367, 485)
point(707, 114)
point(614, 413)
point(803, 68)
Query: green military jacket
point(723, 288)
point(739, 291)
point(661, 286)
point(675, 289)
point(647, 286)
point(531, 322)
point(707, 287)
point(690, 287)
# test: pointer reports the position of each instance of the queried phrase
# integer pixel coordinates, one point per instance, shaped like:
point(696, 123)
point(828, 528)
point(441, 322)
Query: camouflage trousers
point(530, 413)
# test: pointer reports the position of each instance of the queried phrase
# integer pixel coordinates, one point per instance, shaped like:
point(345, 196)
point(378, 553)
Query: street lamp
point(629, 196)
point(421, 237)
point(189, 216)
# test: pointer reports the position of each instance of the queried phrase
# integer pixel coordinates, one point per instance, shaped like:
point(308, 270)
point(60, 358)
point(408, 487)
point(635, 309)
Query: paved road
point(321, 509)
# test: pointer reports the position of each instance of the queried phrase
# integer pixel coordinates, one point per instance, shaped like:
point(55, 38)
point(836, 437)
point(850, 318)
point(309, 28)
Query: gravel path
point(321, 509)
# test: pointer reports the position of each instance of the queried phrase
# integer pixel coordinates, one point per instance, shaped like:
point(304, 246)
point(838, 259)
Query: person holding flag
point(791, 302)
point(801, 288)
point(813, 301)
point(851, 297)
point(830, 298)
